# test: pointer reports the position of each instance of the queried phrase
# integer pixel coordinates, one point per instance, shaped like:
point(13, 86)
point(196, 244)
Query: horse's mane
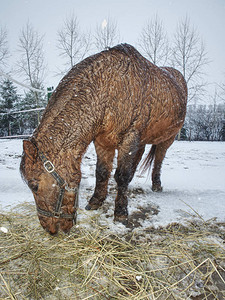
point(82, 67)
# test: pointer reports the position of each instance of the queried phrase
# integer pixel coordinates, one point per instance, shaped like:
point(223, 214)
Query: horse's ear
point(30, 150)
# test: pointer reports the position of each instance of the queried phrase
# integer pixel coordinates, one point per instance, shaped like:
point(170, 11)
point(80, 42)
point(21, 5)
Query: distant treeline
point(204, 123)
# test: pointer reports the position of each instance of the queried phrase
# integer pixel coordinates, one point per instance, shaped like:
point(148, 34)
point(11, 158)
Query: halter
point(49, 167)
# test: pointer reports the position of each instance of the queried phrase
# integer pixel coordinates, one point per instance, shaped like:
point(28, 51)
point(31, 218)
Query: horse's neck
point(65, 139)
point(66, 157)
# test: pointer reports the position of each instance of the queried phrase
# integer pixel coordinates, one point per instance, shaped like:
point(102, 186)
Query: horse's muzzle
point(53, 225)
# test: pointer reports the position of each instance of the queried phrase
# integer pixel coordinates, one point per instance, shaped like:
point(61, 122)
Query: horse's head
point(56, 202)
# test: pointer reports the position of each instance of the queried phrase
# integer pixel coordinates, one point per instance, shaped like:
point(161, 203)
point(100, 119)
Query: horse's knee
point(102, 172)
point(102, 176)
point(123, 177)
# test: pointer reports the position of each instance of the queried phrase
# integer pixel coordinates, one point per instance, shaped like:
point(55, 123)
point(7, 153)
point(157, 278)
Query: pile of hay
point(176, 262)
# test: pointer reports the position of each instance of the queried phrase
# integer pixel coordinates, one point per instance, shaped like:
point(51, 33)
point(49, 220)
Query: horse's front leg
point(129, 155)
point(103, 171)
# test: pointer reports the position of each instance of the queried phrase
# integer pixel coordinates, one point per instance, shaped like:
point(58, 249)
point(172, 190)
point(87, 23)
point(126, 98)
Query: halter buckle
point(56, 214)
point(49, 167)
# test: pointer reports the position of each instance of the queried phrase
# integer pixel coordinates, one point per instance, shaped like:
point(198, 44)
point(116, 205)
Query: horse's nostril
point(52, 228)
point(52, 233)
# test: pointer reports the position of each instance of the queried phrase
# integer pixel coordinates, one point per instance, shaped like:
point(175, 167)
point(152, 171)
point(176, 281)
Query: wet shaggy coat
point(119, 100)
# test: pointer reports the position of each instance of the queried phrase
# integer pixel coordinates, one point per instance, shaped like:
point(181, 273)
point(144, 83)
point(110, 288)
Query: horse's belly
point(161, 131)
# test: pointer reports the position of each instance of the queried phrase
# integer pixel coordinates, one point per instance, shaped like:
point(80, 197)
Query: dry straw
point(177, 262)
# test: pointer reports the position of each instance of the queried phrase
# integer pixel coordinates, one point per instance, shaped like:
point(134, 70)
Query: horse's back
point(142, 97)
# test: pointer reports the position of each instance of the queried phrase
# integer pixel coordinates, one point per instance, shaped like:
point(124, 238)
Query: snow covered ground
point(193, 179)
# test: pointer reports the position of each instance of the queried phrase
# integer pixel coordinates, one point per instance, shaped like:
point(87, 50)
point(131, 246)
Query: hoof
point(121, 219)
point(92, 207)
point(94, 203)
point(157, 189)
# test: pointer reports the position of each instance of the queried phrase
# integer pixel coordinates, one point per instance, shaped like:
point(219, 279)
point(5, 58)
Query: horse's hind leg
point(103, 171)
point(129, 155)
point(160, 153)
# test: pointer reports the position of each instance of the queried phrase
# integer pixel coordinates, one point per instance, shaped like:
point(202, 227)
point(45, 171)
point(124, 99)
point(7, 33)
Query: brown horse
point(118, 100)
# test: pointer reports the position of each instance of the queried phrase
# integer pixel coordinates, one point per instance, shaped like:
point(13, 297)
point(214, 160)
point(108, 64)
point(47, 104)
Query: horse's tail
point(146, 165)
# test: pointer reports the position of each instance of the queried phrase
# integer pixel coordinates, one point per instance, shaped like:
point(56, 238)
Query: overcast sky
point(47, 16)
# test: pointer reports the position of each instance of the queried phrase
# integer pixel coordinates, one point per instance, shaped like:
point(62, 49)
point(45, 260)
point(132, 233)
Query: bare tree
point(190, 57)
point(72, 44)
point(107, 34)
point(31, 64)
point(222, 91)
point(4, 51)
point(153, 41)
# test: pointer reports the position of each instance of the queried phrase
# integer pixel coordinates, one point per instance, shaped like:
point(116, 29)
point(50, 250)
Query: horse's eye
point(33, 185)
point(35, 188)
